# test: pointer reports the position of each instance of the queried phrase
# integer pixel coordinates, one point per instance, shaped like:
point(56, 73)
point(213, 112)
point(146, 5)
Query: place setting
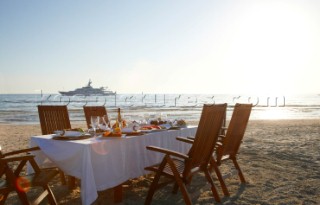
point(71, 134)
point(162, 124)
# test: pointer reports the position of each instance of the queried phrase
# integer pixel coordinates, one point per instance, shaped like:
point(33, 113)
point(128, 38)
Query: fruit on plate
point(107, 133)
point(151, 127)
point(146, 128)
point(157, 127)
point(116, 131)
point(124, 123)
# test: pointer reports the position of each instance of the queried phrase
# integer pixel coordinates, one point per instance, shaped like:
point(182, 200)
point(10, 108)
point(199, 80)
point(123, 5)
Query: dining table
point(107, 162)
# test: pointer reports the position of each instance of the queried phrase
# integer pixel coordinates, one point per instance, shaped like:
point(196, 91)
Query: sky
point(167, 46)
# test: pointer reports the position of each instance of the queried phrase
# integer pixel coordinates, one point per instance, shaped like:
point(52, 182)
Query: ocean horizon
point(22, 108)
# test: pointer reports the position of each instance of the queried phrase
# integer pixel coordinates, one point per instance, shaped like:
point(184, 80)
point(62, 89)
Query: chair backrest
point(53, 117)
point(207, 134)
point(93, 111)
point(236, 129)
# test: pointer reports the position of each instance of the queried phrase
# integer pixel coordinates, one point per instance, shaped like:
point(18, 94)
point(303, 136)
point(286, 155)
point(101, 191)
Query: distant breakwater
point(22, 108)
point(163, 100)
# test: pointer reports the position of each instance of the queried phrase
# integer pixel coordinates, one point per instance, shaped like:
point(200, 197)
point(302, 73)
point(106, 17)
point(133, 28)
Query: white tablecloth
point(103, 163)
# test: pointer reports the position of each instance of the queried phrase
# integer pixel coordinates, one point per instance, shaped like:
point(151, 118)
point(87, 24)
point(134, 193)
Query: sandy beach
point(279, 158)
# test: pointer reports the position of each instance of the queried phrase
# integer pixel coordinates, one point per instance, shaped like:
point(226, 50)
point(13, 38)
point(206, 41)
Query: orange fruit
point(106, 133)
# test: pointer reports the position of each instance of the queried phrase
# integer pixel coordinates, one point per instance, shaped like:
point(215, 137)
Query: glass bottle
point(119, 119)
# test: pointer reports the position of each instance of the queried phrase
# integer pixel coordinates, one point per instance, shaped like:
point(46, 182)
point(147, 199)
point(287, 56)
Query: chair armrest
point(191, 138)
point(183, 139)
point(21, 151)
point(18, 158)
point(168, 152)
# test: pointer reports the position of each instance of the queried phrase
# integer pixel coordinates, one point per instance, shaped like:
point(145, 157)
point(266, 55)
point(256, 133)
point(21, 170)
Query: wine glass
point(94, 123)
point(112, 120)
point(164, 117)
point(127, 119)
point(104, 122)
point(146, 117)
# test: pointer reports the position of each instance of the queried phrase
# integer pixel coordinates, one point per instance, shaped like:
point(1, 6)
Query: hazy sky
point(166, 46)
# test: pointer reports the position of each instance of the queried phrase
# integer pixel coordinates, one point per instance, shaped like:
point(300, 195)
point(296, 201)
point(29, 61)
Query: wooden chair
point(228, 145)
point(93, 111)
point(12, 166)
point(180, 167)
point(54, 117)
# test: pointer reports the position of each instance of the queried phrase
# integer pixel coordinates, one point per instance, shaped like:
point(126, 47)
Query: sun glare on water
point(273, 113)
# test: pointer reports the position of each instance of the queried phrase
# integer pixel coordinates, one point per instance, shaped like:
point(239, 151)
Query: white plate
point(68, 133)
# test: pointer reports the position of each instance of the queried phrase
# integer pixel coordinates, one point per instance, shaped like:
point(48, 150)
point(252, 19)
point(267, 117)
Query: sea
point(22, 108)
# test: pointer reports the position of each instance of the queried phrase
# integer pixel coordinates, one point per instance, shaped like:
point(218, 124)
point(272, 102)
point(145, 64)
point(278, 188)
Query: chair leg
point(214, 165)
point(62, 177)
point(213, 188)
point(23, 197)
point(52, 200)
point(239, 170)
point(117, 194)
point(3, 198)
point(155, 181)
point(175, 188)
point(179, 181)
point(71, 182)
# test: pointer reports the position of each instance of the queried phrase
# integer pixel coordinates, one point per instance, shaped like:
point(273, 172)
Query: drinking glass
point(94, 123)
point(146, 117)
point(127, 119)
point(164, 117)
point(112, 120)
point(104, 122)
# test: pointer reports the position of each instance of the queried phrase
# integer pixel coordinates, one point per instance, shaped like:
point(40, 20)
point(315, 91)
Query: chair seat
point(167, 170)
point(42, 178)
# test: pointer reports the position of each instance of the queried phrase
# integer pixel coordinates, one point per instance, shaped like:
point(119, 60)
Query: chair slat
point(53, 117)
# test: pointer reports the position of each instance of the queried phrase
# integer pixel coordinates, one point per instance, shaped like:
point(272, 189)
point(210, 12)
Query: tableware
point(94, 123)
point(163, 116)
point(166, 126)
point(104, 122)
point(58, 132)
point(72, 135)
point(146, 118)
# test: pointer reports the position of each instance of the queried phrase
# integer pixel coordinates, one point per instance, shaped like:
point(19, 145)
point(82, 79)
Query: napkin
point(127, 129)
point(72, 134)
point(167, 126)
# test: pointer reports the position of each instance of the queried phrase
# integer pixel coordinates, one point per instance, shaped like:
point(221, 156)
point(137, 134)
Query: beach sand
point(280, 161)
